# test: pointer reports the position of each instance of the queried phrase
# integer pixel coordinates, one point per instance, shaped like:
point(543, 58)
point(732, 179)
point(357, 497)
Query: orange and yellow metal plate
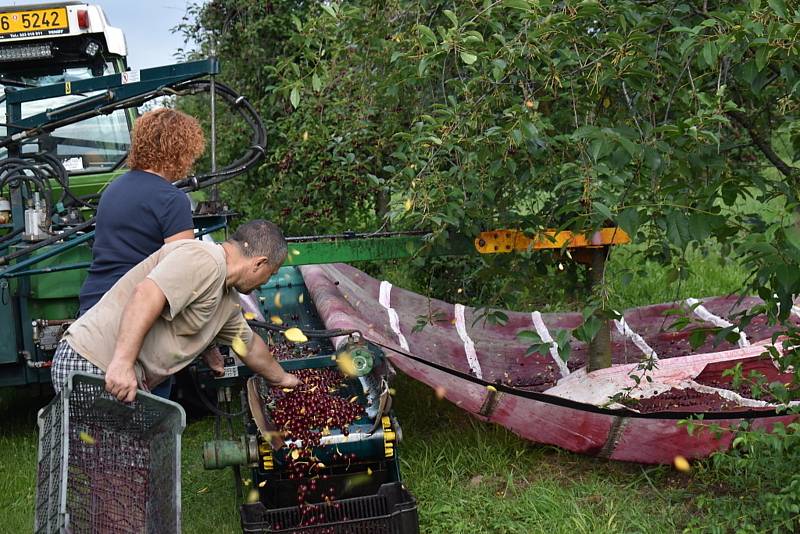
point(504, 241)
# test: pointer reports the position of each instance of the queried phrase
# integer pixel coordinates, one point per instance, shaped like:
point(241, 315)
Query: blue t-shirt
point(136, 213)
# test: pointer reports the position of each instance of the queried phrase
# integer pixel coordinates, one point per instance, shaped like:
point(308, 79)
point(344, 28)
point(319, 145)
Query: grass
point(467, 476)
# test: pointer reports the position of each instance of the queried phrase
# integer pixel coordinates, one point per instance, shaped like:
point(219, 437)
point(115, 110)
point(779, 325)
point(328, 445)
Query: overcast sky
point(146, 24)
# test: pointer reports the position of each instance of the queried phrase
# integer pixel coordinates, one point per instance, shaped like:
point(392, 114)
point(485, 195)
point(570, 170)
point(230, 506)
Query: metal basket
point(106, 466)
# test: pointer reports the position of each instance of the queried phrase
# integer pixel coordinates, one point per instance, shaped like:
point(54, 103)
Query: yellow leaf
point(300, 298)
point(295, 252)
point(369, 471)
point(295, 454)
point(253, 496)
point(492, 389)
point(262, 483)
point(86, 438)
point(345, 363)
point(276, 320)
point(682, 464)
point(295, 335)
point(239, 347)
point(277, 299)
point(203, 490)
point(305, 136)
point(606, 102)
point(408, 204)
point(249, 316)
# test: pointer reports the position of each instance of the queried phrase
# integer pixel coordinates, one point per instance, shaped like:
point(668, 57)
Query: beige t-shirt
point(200, 310)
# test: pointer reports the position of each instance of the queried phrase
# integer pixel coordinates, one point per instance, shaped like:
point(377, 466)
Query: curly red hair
point(166, 141)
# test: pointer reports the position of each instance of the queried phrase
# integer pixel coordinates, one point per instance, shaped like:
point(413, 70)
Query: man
point(170, 307)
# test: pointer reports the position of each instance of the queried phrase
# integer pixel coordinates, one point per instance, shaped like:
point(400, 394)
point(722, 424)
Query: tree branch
point(763, 144)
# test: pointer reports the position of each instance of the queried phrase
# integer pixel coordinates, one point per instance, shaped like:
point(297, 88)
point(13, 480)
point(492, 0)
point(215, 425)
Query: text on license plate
point(36, 22)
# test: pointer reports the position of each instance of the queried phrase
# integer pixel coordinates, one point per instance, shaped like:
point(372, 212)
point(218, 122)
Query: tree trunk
point(600, 346)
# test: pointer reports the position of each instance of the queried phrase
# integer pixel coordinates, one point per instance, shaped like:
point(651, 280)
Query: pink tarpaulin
point(544, 399)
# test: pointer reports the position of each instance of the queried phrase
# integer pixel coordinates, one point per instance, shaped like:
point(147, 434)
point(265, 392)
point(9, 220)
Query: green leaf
point(452, 16)
point(329, 10)
point(755, 5)
point(710, 53)
point(517, 4)
point(762, 56)
point(294, 97)
point(468, 58)
point(316, 83)
point(628, 220)
point(778, 7)
point(603, 210)
point(426, 34)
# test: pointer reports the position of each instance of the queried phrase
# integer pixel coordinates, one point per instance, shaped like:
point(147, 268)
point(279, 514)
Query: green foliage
point(660, 117)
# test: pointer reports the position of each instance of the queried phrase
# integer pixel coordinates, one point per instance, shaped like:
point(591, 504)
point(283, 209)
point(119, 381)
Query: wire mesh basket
point(105, 466)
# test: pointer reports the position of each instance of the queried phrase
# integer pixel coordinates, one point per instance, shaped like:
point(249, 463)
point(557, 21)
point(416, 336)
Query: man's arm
point(186, 234)
point(261, 361)
point(141, 311)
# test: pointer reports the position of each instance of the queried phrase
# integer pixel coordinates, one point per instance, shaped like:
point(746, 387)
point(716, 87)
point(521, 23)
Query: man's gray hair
point(261, 238)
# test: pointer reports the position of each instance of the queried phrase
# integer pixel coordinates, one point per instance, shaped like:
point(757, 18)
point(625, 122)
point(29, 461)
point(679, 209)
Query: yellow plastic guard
point(504, 241)
point(388, 437)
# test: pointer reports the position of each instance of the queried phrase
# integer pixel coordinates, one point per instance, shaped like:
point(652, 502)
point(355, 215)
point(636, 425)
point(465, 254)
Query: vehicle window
point(92, 145)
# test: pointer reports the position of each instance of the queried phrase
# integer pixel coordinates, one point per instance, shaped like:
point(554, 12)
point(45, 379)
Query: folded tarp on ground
point(546, 400)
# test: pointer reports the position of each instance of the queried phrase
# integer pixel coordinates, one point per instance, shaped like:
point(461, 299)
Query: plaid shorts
point(66, 361)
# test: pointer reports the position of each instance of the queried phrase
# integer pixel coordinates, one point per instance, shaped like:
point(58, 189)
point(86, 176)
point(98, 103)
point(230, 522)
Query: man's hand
point(121, 381)
point(260, 360)
point(288, 381)
point(213, 358)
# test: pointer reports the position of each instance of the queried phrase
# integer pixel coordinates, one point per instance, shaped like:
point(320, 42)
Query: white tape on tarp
point(624, 329)
point(544, 334)
point(385, 298)
point(700, 311)
point(469, 346)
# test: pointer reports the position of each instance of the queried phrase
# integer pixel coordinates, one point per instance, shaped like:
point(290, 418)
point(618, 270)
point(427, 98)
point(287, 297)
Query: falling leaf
point(529, 104)
point(203, 490)
point(408, 204)
point(262, 483)
point(253, 496)
point(560, 266)
point(295, 252)
point(681, 464)
point(249, 316)
point(345, 363)
point(239, 347)
point(320, 465)
point(354, 398)
point(440, 392)
point(86, 438)
point(305, 136)
point(277, 299)
point(369, 471)
point(247, 481)
point(295, 454)
point(295, 335)
point(300, 298)
point(392, 391)
point(276, 320)
point(492, 389)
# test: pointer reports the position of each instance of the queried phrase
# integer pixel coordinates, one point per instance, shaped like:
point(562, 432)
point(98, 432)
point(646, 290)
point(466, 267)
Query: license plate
point(34, 23)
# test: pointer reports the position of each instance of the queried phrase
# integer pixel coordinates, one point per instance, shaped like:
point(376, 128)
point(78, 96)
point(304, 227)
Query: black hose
point(49, 241)
point(321, 334)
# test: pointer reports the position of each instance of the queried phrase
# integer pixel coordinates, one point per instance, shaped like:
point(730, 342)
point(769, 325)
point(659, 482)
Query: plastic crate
point(392, 510)
point(106, 466)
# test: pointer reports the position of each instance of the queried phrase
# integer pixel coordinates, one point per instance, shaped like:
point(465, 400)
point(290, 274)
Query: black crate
point(392, 510)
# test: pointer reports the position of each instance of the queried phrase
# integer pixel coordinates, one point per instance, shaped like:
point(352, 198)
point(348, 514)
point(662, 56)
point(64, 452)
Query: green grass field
point(467, 476)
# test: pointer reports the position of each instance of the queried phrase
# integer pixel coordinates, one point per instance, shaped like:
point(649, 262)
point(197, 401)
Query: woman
point(142, 209)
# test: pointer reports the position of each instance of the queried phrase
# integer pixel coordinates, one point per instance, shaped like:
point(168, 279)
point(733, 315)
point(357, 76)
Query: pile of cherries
point(287, 350)
point(304, 415)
